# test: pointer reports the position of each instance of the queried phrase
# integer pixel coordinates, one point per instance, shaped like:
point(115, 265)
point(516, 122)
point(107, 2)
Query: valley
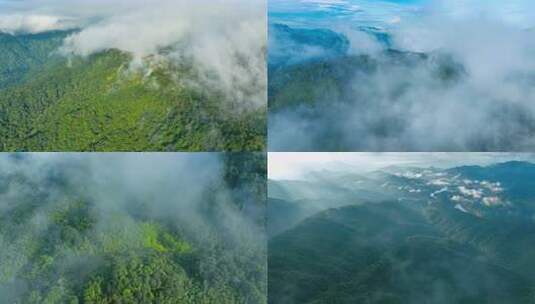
point(404, 235)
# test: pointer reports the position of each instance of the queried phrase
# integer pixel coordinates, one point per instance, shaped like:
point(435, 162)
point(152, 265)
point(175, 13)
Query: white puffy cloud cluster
point(475, 193)
point(493, 187)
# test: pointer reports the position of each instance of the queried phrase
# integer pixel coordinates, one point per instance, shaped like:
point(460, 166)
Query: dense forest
point(406, 235)
point(132, 229)
point(101, 102)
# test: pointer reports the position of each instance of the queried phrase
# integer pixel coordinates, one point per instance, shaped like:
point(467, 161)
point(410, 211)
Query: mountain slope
point(100, 104)
point(385, 253)
point(21, 53)
point(411, 235)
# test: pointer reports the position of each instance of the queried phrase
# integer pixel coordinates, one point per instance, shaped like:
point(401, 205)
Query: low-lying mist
point(78, 211)
point(449, 79)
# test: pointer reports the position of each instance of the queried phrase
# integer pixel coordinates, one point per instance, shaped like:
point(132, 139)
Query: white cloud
point(492, 201)
point(409, 175)
point(439, 182)
point(226, 40)
point(493, 187)
point(33, 23)
point(457, 198)
point(361, 43)
point(475, 193)
point(445, 189)
point(461, 208)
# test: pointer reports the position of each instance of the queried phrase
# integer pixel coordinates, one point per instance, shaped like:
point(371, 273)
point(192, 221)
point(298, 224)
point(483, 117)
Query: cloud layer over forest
point(186, 189)
point(486, 53)
point(113, 196)
point(225, 40)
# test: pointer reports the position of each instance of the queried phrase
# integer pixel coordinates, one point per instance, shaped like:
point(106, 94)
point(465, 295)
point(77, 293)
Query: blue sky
point(384, 13)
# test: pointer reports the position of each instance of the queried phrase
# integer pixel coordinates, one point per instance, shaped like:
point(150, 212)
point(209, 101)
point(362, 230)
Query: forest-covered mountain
point(460, 235)
point(49, 101)
point(22, 53)
point(88, 229)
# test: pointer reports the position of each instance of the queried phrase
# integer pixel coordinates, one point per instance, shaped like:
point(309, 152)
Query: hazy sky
point(296, 165)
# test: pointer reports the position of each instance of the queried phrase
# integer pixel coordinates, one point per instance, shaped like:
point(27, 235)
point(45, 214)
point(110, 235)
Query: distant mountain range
point(290, 45)
point(51, 102)
point(428, 235)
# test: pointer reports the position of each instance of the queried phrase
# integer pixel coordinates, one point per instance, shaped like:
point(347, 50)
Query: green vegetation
point(100, 103)
point(404, 235)
point(62, 243)
point(389, 253)
point(328, 81)
point(20, 54)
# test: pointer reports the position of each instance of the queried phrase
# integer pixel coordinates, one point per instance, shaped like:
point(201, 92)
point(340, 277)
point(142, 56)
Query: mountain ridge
point(70, 103)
